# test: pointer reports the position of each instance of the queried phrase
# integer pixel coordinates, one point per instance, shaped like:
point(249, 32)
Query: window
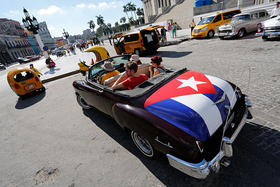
point(229, 15)
point(217, 18)
point(262, 14)
point(131, 38)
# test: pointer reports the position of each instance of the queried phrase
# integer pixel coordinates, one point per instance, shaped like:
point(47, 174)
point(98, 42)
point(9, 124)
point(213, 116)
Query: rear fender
point(159, 132)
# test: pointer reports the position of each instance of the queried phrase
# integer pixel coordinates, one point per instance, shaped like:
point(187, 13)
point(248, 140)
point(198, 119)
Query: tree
point(116, 24)
point(123, 20)
point(91, 24)
point(125, 10)
point(129, 8)
point(100, 20)
point(140, 12)
point(133, 9)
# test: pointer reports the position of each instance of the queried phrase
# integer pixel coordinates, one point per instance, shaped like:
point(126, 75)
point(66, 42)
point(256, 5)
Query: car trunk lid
point(193, 102)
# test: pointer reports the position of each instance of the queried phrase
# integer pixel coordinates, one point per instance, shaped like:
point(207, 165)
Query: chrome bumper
point(268, 34)
point(226, 34)
point(202, 170)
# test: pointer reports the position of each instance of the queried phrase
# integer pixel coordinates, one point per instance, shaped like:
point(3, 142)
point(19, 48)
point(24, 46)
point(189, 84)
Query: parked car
point(207, 26)
point(2, 66)
point(190, 117)
point(24, 81)
point(143, 41)
point(269, 28)
point(242, 24)
point(23, 60)
point(33, 57)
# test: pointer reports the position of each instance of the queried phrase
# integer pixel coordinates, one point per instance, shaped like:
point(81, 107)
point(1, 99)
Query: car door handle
point(167, 145)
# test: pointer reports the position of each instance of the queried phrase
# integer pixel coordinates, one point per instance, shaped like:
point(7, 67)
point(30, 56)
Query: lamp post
point(66, 35)
point(32, 25)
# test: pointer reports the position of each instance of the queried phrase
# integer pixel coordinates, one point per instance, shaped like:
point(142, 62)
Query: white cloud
point(80, 5)
point(14, 13)
point(100, 5)
point(50, 10)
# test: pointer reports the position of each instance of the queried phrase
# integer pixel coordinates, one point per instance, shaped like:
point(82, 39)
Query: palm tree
point(125, 10)
point(91, 24)
point(123, 20)
point(129, 7)
point(116, 24)
point(140, 12)
point(100, 20)
point(133, 9)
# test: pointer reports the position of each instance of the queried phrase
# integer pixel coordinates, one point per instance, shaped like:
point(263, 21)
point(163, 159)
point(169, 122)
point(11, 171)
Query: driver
point(109, 71)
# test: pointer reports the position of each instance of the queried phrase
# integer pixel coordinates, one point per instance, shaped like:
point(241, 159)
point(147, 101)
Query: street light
point(66, 35)
point(32, 25)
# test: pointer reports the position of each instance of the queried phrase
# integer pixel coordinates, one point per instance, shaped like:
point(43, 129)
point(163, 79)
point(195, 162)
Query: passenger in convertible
point(156, 67)
point(132, 79)
point(110, 71)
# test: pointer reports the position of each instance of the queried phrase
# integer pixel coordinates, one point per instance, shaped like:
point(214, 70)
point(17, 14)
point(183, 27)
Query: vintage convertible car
point(190, 117)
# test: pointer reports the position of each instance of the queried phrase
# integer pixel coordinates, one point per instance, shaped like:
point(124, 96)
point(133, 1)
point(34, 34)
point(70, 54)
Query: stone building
point(33, 42)
point(13, 41)
point(46, 36)
point(88, 34)
point(154, 8)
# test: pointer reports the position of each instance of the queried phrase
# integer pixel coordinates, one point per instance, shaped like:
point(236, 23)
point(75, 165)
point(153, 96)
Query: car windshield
point(206, 20)
point(243, 17)
point(118, 62)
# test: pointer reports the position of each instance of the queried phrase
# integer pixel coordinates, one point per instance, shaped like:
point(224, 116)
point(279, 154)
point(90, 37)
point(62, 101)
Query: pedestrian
point(110, 37)
point(158, 34)
point(102, 41)
point(156, 67)
point(174, 29)
point(169, 28)
point(163, 34)
point(36, 71)
point(192, 25)
point(276, 11)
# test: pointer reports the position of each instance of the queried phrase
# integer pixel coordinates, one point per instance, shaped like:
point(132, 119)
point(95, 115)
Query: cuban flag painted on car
point(193, 102)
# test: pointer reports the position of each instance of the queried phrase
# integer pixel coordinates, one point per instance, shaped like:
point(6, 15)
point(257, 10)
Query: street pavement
point(48, 140)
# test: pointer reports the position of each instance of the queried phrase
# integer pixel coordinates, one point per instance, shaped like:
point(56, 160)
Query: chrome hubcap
point(143, 145)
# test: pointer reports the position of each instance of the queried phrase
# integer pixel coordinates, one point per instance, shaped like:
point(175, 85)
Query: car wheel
point(82, 102)
point(137, 52)
point(241, 33)
point(210, 34)
point(264, 37)
point(143, 145)
point(43, 89)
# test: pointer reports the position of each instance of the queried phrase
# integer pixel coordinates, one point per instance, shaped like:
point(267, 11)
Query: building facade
point(88, 34)
point(46, 36)
point(33, 42)
point(13, 41)
point(153, 8)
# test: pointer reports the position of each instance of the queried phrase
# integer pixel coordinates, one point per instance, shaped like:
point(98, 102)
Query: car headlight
point(204, 29)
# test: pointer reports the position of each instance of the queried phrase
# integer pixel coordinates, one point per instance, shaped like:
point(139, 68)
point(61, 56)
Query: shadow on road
point(30, 100)
point(172, 54)
point(251, 166)
point(52, 71)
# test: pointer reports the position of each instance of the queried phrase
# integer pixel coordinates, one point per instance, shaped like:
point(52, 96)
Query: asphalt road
point(48, 140)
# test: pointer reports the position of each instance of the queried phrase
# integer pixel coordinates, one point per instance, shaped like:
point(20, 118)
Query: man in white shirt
point(276, 11)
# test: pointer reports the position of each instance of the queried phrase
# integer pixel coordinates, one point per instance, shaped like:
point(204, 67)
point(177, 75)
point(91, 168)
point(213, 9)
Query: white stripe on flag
point(225, 86)
point(205, 107)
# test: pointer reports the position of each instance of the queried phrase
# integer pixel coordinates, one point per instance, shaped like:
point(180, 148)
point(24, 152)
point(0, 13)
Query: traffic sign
point(45, 48)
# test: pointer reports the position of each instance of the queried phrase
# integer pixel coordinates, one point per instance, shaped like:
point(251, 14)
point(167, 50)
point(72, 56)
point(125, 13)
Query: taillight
point(37, 79)
point(16, 86)
point(260, 27)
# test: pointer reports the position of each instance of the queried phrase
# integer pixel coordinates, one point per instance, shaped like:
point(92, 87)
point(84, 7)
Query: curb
point(175, 42)
point(60, 76)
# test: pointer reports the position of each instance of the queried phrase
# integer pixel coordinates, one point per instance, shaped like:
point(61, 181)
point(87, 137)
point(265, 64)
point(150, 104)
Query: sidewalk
point(182, 35)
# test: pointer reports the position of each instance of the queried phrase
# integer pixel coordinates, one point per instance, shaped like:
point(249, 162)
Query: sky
point(71, 15)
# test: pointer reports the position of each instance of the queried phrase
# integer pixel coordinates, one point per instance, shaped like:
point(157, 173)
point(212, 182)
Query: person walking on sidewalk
point(163, 35)
point(169, 28)
point(192, 25)
point(174, 29)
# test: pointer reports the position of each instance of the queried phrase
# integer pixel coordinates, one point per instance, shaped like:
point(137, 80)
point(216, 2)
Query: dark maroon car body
point(184, 151)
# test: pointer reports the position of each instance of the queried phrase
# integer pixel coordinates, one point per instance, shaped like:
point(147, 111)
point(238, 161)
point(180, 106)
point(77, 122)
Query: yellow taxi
point(207, 26)
point(24, 81)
